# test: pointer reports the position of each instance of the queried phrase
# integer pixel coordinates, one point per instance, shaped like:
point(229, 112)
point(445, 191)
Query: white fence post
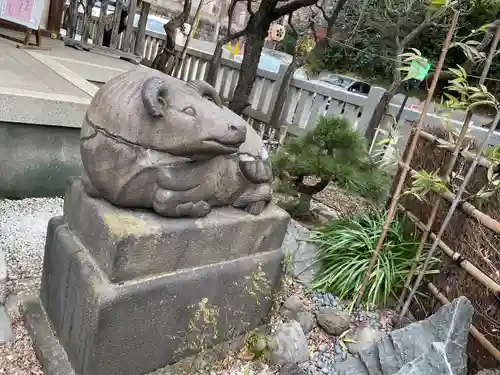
point(369, 107)
point(276, 91)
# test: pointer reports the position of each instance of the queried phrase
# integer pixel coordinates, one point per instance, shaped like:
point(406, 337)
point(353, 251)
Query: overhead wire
point(392, 59)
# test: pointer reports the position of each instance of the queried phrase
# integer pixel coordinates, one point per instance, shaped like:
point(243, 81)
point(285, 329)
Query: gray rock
point(322, 347)
point(303, 253)
point(363, 337)
point(291, 307)
point(293, 303)
point(152, 141)
point(435, 346)
point(6, 334)
point(333, 321)
point(324, 212)
point(434, 361)
point(289, 344)
point(291, 369)
point(306, 321)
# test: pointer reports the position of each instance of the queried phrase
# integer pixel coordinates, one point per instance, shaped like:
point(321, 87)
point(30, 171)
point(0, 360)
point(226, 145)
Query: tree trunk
point(217, 56)
point(311, 189)
point(167, 50)
point(275, 120)
point(188, 39)
point(257, 32)
point(381, 110)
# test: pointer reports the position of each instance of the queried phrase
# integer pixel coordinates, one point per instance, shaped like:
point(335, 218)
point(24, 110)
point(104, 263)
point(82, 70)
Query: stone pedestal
point(127, 291)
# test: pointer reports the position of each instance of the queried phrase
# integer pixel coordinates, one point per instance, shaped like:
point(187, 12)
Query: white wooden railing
point(306, 100)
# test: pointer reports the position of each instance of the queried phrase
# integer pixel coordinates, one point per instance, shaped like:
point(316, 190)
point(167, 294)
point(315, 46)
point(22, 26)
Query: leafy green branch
point(468, 97)
point(424, 182)
point(492, 154)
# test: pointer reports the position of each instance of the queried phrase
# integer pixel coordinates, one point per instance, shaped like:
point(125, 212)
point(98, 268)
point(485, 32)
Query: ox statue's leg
point(255, 199)
point(177, 204)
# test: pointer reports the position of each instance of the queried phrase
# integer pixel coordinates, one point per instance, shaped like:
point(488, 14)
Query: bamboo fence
point(409, 155)
point(455, 199)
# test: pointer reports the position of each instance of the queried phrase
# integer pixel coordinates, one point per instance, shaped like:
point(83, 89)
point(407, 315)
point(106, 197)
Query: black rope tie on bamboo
point(461, 202)
point(460, 259)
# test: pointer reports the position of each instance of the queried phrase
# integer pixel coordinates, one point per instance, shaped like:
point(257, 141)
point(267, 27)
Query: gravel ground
point(327, 350)
point(23, 227)
point(18, 357)
point(342, 201)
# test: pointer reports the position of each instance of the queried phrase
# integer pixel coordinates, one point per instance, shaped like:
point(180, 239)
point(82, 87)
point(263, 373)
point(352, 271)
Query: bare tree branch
point(249, 7)
point(292, 7)
point(323, 12)
point(360, 18)
point(339, 5)
point(416, 31)
point(290, 23)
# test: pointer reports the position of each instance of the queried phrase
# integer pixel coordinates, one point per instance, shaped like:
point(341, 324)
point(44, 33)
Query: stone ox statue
point(152, 141)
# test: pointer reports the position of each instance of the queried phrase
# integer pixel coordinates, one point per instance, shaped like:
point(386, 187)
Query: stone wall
point(37, 159)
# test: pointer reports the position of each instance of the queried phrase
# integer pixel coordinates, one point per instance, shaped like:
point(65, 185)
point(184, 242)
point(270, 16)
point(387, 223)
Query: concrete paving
point(51, 86)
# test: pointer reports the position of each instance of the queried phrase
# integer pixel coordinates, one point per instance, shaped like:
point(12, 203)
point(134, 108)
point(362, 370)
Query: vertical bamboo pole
point(447, 173)
point(449, 215)
point(409, 156)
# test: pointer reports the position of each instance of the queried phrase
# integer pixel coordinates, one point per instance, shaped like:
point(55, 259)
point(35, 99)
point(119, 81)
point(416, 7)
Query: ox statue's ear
point(205, 89)
point(154, 92)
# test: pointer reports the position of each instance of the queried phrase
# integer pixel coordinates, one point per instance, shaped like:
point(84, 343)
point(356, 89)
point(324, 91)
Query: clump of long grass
point(345, 250)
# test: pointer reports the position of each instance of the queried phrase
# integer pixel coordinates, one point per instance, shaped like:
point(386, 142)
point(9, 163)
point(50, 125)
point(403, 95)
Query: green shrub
point(345, 250)
point(332, 151)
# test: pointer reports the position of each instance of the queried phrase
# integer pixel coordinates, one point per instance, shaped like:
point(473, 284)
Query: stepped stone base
point(138, 323)
point(135, 243)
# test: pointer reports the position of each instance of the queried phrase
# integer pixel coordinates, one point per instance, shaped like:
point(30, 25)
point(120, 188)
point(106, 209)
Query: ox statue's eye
point(189, 111)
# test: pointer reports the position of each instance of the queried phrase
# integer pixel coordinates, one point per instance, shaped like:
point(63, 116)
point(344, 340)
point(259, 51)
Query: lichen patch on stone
point(124, 225)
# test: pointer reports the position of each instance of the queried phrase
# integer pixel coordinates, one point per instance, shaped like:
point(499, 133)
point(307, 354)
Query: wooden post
point(126, 42)
point(87, 17)
point(141, 29)
point(27, 34)
point(55, 16)
point(116, 24)
point(102, 16)
point(73, 19)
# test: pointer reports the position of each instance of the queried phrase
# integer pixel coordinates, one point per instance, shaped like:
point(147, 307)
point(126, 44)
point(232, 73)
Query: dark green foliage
point(345, 250)
point(374, 47)
point(332, 151)
point(289, 41)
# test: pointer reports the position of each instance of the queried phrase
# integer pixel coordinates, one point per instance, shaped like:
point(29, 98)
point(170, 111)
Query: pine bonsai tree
point(332, 151)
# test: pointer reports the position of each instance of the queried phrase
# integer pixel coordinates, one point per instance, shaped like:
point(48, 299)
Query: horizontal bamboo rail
point(473, 330)
point(471, 269)
point(466, 208)
point(469, 156)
